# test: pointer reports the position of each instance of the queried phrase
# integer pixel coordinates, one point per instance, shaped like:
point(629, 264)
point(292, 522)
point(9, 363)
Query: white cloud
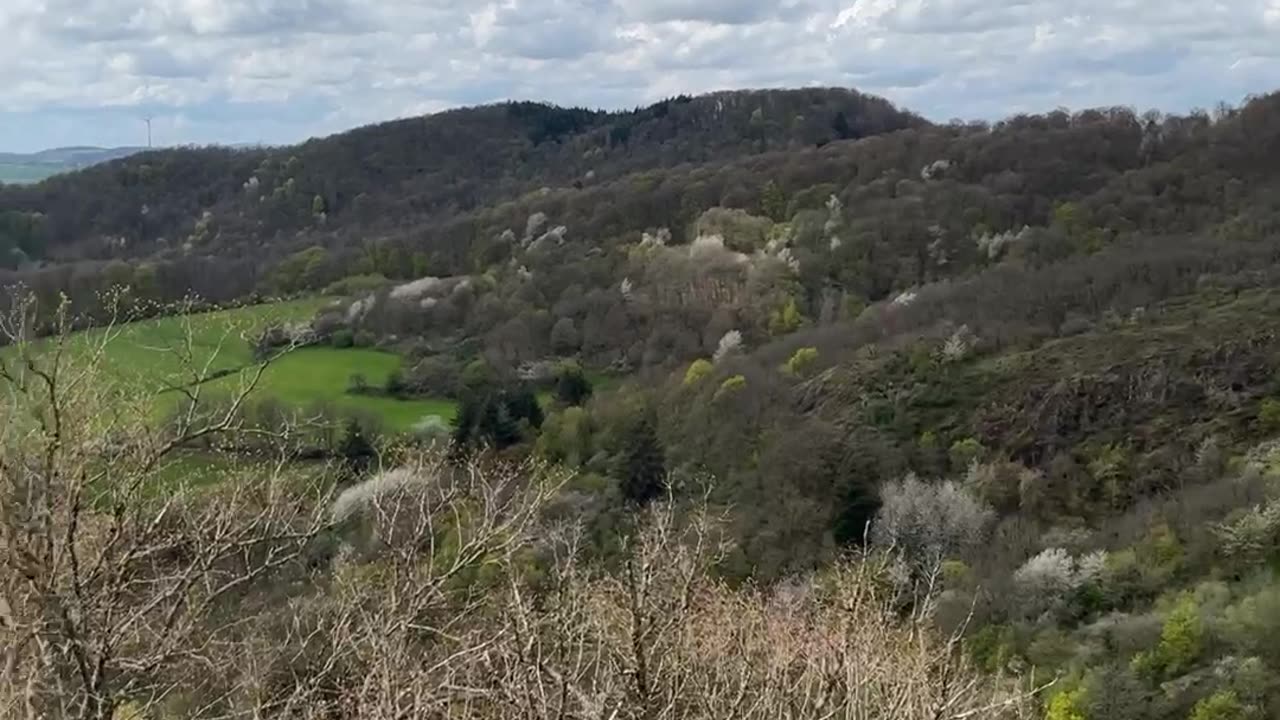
point(280, 70)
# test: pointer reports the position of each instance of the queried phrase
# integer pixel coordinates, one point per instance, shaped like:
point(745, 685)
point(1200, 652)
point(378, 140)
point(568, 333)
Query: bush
point(1269, 415)
point(572, 385)
point(1182, 639)
point(698, 370)
point(437, 375)
point(358, 384)
point(963, 453)
point(1065, 705)
point(342, 339)
point(801, 362)
point(731, 386)
point(1222, 705)
point(395, 385)
point(432, 428)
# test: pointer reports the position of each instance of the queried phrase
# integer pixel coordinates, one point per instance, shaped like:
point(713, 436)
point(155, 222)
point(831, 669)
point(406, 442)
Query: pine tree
point(841, 126)
point(774, 202)
point(572, 386)
point(355, 447)
point(642, 469)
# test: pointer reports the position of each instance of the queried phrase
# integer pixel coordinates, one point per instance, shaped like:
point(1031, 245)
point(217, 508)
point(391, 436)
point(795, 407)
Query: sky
point(87, 72)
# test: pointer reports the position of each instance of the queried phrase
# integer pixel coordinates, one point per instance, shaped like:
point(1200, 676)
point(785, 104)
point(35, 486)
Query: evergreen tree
point(522, 404)
point(464, 423)
point(773, 202)
point(355, 447)
point(642, 469)
point(497, 424)
point(572, 385)
point(841, 126)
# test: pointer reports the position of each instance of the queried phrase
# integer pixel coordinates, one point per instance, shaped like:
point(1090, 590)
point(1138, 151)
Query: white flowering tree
point(929, 522)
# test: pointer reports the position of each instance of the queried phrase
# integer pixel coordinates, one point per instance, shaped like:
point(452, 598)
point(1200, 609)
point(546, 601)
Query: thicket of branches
point(134, 586)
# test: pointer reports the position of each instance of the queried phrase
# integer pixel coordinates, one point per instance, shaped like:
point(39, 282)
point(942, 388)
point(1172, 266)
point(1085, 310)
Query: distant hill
point(420, 172)
point(34, 167)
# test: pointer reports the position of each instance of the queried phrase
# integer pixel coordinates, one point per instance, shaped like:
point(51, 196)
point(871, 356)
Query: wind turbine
point(147, 120)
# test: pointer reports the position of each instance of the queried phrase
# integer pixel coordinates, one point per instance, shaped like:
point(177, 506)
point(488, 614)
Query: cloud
point(86, 71)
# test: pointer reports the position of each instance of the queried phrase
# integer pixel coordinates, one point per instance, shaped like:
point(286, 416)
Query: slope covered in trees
point(414, 171)
point(1032, 362)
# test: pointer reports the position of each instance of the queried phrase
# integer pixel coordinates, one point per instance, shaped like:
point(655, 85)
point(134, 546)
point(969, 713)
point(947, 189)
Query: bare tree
point(116, 578)
point(660, 637)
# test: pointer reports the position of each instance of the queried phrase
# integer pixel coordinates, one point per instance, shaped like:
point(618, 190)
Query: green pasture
point(162, 353)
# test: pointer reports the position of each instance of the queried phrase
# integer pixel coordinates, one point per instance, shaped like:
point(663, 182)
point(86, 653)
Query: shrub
point(1065, 705)
point(963, 453)
point(432, 428)
point(786, 319)
point(438, 375)
point(801, 362)
point(395, 385)
point(698, 370)
point(731, 386)
point(1181, 643)
point(1222, 705)
point(1269, 415)
point(572, 385)
point(342, 339)
point(1253, 625)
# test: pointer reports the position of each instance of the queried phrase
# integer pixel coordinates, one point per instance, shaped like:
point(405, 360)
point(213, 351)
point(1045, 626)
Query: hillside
point(25, 168)
point(1030, 364)
point(416, 171)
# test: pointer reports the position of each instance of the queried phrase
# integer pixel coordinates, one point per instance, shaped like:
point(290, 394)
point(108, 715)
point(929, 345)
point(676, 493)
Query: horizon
point(277, 72)
point(242, 144)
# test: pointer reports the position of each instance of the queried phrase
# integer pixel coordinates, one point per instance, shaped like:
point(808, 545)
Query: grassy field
point(150, 352)
point(322, 375)
point(148, 355)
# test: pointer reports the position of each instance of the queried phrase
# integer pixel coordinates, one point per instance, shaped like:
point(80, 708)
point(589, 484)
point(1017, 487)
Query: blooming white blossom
point(415, 289)
point(992, 245)
point(1046, 579)
point(929, 522)
point(359, 309)
point(706, 244)
point(935, 169)
point(730, 343)
point(787, 258)
point(360, 498)
point(958, 345)
point(658, 239)
point(554, 235)
point(534, 226)
point(1051, 573)
point(626, 288)
point(905, 298)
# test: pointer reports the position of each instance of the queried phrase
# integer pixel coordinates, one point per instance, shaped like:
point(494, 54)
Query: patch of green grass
point(323, 375)
point(149, 354)
point(148, 357)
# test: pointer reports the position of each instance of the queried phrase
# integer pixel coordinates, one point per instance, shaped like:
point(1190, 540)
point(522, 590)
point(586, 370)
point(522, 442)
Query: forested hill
point(411, 171)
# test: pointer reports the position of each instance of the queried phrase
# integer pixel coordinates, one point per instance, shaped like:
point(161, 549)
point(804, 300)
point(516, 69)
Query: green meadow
point(160, 353)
